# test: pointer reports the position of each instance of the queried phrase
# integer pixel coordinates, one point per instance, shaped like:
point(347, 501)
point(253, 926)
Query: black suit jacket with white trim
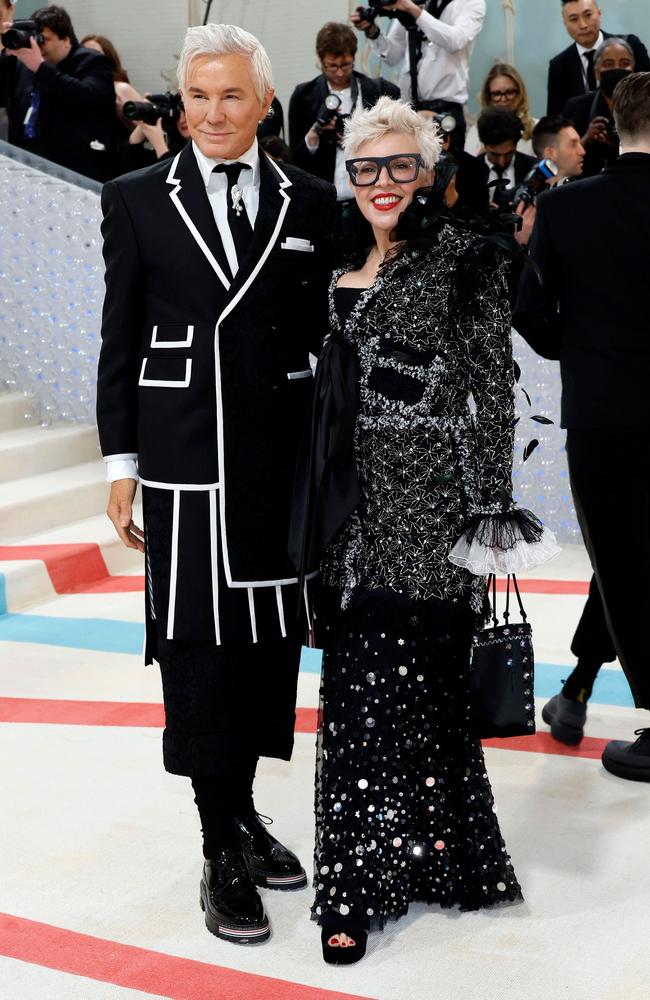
point(198, 372)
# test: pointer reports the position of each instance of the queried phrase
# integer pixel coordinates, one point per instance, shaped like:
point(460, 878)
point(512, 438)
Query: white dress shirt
point(341, 180)
point(443, 73)
point(125, 466)
point(582, 52)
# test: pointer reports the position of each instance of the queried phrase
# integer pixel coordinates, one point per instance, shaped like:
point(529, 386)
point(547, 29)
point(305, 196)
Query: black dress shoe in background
point(629, 760)
point(270, 863)
point(566, 718)
point(231, 903)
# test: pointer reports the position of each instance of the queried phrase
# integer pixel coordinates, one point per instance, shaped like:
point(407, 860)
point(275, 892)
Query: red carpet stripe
point(135, 714)
point(80, 569)
point(75, 569)
point(140, 969)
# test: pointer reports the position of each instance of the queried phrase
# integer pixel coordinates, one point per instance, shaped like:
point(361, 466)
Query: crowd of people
point(402, 479)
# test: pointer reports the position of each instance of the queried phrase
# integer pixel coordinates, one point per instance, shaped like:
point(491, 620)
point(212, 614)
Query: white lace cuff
point(481, 559)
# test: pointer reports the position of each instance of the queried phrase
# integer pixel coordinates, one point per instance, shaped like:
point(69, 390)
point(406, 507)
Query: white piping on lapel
point(180, 208)
point(284, 183)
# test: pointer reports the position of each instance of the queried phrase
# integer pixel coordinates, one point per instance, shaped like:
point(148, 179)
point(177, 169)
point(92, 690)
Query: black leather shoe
point(566, 718)
point(231, 903)
point(269, 862)
point(629, 760)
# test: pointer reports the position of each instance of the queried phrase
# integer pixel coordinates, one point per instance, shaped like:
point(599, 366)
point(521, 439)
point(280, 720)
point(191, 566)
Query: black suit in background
point(566, 78)
point(581, 111)
point(592, 311)
point(523, 165)
point(76, 125)
point(307, 100)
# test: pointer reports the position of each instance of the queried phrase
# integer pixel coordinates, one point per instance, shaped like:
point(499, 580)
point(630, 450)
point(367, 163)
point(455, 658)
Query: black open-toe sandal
point(343, 946)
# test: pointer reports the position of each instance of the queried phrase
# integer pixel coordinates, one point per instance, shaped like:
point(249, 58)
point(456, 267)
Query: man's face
point(502, 154)
point(338, 69)
point(567, 153)
point(54, 49)
point(222, 107)
point(582, 21)
point(614, 57)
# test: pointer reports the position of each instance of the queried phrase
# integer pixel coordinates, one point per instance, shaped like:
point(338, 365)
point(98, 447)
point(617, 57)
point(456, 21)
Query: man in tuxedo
point(317, 145)
point(499, 132)
point(572, 72)
point(589, 308)
point(60, 98)
point(217, 266)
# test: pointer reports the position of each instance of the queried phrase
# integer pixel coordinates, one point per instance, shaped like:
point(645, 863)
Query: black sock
point(220, 799)
point(580, 683)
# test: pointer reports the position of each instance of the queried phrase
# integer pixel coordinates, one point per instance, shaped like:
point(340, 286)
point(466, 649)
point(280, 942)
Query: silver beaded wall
point(541, 483)
point(51, 289)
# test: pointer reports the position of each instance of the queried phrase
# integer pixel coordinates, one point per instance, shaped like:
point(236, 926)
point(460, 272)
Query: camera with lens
point(539, 177)
point(612, 133)
point(20, 34)
point(329, 112)
point(167, 106)
point(380, 7)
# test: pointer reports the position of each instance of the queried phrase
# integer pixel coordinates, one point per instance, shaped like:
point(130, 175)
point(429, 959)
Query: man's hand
point(119, 510)
point(407, 6)
point(369, 29)
point(597, 132)
point(528, 214)
point(32, 57)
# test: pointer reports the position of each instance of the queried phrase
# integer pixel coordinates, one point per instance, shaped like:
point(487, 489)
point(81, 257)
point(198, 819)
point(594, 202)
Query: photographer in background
point(555, 138)
point(499, 133)
point(592, 113)
point(572, 72)
point(60, 97)
point(315, 131)
point(589, 308)
point(6, 16)
point(445, 39)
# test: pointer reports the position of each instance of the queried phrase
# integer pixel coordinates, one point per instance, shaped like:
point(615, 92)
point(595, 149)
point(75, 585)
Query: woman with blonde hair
point(504, 88)
point(419, 323)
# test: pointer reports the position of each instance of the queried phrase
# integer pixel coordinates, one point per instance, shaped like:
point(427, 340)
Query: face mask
point(609, 79)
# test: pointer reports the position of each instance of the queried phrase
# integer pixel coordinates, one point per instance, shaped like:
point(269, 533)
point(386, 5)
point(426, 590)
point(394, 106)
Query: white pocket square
point(295, 243)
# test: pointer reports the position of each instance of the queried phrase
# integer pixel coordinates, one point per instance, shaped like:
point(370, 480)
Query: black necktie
point(591, 76)
point(238, 221)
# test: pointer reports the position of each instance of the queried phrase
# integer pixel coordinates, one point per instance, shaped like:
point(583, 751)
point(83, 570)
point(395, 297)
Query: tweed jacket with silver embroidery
point(434, 432)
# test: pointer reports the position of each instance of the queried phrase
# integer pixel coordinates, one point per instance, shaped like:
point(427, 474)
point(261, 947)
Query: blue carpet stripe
point(111, 636)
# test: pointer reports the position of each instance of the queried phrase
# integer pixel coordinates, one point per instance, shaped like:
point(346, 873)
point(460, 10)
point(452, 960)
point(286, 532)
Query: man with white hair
point(216, 274)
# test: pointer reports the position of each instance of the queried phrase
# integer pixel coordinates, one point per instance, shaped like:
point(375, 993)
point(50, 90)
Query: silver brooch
point(236, 195)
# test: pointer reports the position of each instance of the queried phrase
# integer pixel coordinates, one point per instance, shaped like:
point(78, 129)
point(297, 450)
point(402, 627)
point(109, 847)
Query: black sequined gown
point(404, 808)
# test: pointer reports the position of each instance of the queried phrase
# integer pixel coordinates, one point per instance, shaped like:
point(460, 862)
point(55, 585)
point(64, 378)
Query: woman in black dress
point(404, 809)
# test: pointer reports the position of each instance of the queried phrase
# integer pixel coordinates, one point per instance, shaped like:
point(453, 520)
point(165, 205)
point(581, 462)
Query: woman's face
point(94, 45)
point(503, 93)
point(383, 201)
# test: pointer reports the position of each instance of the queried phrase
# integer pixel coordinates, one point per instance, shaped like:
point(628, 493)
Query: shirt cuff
point(312, 149)
point(121, 467)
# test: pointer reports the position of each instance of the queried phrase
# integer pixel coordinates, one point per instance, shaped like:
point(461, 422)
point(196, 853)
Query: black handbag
point(502, 673)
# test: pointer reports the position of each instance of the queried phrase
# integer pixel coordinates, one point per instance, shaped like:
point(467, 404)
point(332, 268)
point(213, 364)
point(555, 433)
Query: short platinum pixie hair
point(387, 115)
point(222, 40)
point(607, 44)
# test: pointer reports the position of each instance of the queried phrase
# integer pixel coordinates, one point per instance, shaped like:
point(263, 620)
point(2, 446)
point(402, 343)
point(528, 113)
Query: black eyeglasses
point(402, 168)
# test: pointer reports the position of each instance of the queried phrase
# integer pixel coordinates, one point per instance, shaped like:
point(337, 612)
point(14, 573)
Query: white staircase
point(52, 492)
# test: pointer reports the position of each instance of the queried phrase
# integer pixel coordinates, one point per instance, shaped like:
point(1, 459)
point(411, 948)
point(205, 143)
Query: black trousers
point(592, 641)
point(610, 481)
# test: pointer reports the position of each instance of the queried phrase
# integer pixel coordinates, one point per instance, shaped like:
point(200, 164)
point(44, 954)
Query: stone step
point(38, 503)
point(32, 451)
point(32, 577)
point(17, 410)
